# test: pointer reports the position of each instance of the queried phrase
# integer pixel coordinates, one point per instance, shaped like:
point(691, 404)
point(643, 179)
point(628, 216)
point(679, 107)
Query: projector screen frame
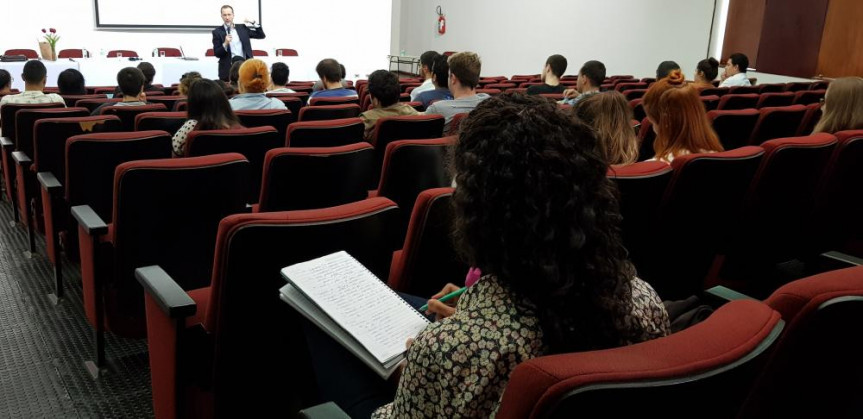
point(101, 26)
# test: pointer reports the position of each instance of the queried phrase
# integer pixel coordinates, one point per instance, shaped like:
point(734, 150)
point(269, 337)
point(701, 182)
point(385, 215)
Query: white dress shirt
point(738, 79)
point(236, 45)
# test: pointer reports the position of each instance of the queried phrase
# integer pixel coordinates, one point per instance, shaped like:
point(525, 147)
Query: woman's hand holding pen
point(443, 310)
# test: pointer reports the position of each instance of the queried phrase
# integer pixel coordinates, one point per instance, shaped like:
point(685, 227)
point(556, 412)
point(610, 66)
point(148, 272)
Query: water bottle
point(102, 52)
point(403, 53)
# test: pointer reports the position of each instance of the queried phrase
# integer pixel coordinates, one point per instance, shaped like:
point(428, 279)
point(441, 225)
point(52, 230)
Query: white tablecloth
point(103, 71)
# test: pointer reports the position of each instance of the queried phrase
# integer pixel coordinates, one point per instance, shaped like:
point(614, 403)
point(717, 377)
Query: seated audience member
point(464, 69)
point(149, 73)
point(5, 82)
point(705, 72)
point(279, 73)
point(254, 79)
point(590, 79)
point(536, 213)
point(554, 68)
point(384, 91)
point(665, 68)
point(427, 60)
point(610, 117)
point(208, 109)
point(71, 82)
point(131, 83)
point(226, 87)
point(234, 73)
point(186, 80)
point(843, 106)
point(735, 71)
point(679, 119)
point(440, 78)
point(35, 77)
point(332, 81)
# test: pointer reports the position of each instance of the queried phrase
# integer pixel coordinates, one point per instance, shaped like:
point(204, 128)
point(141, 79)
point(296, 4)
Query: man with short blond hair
point(464, 70)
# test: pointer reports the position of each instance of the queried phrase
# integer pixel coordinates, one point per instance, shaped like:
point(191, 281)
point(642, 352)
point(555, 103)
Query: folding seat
point(286, 52)
point(731, 101)
point(72, 99)
point(73, 53)
point(167, 52)
point(775, 99)
point(623, 87)
point(403, 87)
point(524, 77)
point(772, 88)
point(127, 114)
point(410, 167)
point(606, 87)
point(329, 112)
point(315, 177)
point(276, 118)
point(703, 200)
point(813, 369)
point(404, 97)
point(744, 90)
point(838, 201)
point(633, 94)
point(168, 101)
point(292, 102)
point(777, 123)
point(413, 127)
point(810, 119)
point(806, 97)
point(648, 80)
point(715, 91)
point(92, 89)
point(710, 102)
point(778, 207)
point(252, 143)
point(524, 85)
point(8, 141)
point(210, 353)
point(25, 179)
point(181, 106)
point(169, 122)
point(797, 86)
point(553, 97)
point(125, 53)
point(104, 90)
point(92, 104)
point(646, 138)
point(819, 85)
point(418, 106)
point(638, 112)
point(49, 163)
point(165, 212)
point(456, 123)
point(519, 90)
point(703, 371)
point(641, 186)
point(490, 92)
point(500, 86)
point(29, 53)
point(320, 101)
point(259, 53)
point(734, 128)
point(328, 133)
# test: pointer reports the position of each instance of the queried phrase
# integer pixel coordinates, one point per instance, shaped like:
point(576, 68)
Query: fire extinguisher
point(441, 21)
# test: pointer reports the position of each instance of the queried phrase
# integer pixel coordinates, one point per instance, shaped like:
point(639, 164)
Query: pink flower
point(53, 30)
point(44, 31)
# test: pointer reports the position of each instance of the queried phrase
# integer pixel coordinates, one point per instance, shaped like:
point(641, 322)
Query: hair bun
point(676, 78)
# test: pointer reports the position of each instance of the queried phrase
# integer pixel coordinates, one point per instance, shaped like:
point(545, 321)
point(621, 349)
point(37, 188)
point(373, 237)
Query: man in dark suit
point(231, 40)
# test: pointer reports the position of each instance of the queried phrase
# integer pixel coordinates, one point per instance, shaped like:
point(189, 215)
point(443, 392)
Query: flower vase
point(47, 51)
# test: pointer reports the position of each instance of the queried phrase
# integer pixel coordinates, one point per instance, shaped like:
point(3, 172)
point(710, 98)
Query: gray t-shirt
point(449, 108)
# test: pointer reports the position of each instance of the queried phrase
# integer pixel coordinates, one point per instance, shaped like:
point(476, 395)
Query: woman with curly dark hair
point(536, 214)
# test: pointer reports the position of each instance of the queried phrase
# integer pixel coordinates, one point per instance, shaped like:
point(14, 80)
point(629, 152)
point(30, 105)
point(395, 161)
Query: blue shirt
point(427, 97)
point(334, 93)
point(255, 101)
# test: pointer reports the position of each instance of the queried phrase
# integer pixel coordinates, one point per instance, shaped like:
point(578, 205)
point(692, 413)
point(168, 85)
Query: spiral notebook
point(348, 302)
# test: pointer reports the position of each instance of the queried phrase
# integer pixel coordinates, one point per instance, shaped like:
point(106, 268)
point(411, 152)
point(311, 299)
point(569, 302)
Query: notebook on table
point(348, 302)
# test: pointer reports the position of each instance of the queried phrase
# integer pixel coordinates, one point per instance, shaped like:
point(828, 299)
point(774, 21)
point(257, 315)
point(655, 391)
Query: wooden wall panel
point(791, 37)
point(842, 44)
point(743, 28)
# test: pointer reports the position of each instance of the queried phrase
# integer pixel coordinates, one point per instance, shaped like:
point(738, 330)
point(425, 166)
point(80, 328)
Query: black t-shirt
point(545, 89)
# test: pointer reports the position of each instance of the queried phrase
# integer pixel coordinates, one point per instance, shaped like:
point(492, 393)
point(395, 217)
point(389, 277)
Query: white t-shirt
point(738, 79)
point(425, 87)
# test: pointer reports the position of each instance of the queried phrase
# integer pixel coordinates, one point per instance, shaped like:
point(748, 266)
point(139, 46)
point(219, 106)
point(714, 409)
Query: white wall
point(516, 37)
point(303, 25)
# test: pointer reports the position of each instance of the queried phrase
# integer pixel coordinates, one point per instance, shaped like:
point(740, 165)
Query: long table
point(103, 71)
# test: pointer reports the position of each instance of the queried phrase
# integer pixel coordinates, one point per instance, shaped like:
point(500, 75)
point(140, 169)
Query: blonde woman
point(610, 117)
point(843, 106)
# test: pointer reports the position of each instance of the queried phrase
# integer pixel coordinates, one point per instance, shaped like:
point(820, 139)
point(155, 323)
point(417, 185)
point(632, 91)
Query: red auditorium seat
point(128, 114)
point(169, 101)
point(72, 99)
point(744, 90)
point(797, 86)
point(165, 212)
point(705, 370)
point(456, 123)
point(734, 128)
point(733, 101)
point(428, 260)
point(772, 88)
point(328, 133)
point(777, 123)
point(839, 202)
point(806, 97)
point(323, 101)
point(315, 177)
point(211, 348)
point(412, 127)
point(169, 122)
point(633, 94)
point(775, 99)
point(646, 138)
point(710, 102)
point(329, 112)
point(810, 119)
point(276, 118)
point(252, 143)
point(715, 91)
point(638, 112)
